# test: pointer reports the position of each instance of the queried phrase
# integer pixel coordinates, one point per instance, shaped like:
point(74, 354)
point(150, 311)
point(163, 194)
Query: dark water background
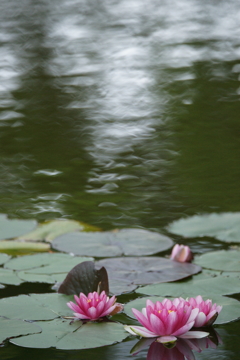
point(120, 114)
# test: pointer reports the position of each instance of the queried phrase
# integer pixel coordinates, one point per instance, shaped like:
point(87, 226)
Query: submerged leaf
point(51, 229)
point(85, 278)
point(13, 247)
point(113, 243)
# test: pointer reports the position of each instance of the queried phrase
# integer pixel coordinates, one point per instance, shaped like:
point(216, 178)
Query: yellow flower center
point(89, 300)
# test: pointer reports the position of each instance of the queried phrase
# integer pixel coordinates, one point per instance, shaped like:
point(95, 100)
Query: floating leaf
point(230, 310)
point(9, 277)
point(4, 258)
point(17, 247)
point(60, 334)
point(45, 263)
point(24, 307)
point(115, 243)
point(49, 268)
point(11, 328)
point(218, 285)
point(85, 278)
point(222, 226)
point(225, 260)
point(12, 228)
point(51, 229)
point(2, 286)
point(144, 270)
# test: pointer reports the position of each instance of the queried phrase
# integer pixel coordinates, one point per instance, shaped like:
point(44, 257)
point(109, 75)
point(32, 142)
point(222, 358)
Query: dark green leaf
point(85, 278)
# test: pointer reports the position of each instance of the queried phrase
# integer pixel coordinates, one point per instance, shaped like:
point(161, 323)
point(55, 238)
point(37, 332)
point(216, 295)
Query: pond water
point(120, 114)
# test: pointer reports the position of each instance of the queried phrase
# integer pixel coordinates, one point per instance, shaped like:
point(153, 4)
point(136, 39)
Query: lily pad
point(12, 228)
point(61, 334)
point(218, 285)
point(14, 247)
point(51, 229)
point(225, 260)
point(85, 278)
point(9, 277)
point(24, 307)
point(222, 226)
point(230, 310)
point(11, 328)
point(128, 271)
point(113, 243)
point(4, 258)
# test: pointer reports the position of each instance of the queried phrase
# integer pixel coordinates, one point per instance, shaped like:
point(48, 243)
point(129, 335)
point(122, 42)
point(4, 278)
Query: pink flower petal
point(139, 330)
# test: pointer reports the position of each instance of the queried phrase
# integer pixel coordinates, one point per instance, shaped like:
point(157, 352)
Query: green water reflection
point(120, 115)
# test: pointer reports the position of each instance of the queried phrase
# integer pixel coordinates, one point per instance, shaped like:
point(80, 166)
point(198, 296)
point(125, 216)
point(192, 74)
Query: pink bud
point(181, 253)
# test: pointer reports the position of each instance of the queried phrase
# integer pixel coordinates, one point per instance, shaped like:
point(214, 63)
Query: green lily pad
point(9, 277)
point(12, 228)
point(113, 243)
point(61, 334)
point(218, 285)
point(225, 260)
point(230, 310)
point(11, 328)
point(55, 302)
point(4, 258)
point(41, 262)
point(51, 229)
point(222, 226)
point(24, 307)
point(129, 271)
point(14, 247)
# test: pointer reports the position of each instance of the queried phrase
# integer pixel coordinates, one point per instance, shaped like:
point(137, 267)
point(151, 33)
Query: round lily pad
point(4, 258)
point(12, 228)
point(113, 243)
point(61, 334)
point(15, 247)
point(51, 229)
point(45, 268)
point(136, 271)
point(222, 226)
point(10, 328)
point(24, 307)
point(218, 285)
point(9, 277)
point(225, 260)
point(230, 310)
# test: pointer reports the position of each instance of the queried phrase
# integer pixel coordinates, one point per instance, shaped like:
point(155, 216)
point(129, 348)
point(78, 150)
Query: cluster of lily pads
point(44, 320)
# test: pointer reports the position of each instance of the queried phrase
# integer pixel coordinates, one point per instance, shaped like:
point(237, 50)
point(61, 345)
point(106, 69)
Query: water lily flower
point(181, 253)
point(208, 312)
point(93, 306)
point(166, 320)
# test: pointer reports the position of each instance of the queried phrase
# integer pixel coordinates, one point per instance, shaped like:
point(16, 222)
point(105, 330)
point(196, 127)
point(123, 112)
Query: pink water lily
point(166, 320)
point(181, 253)
point(208, 312)
point(93, 306)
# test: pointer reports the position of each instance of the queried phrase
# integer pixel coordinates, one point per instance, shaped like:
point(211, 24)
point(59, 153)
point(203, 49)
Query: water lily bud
point(181, 253)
